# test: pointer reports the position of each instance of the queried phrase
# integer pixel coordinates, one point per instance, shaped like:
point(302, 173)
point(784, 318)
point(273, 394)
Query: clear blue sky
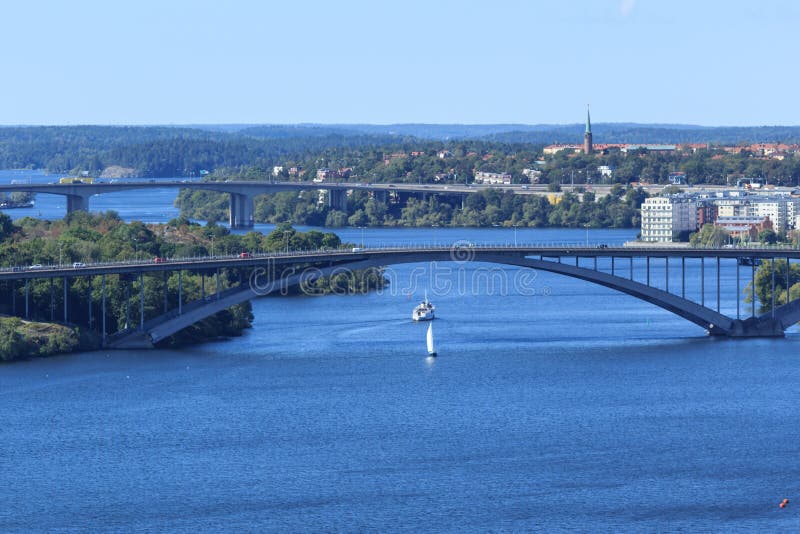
point(399, 61)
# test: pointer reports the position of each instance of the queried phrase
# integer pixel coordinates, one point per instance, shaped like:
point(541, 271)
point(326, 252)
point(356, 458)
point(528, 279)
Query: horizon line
point(382, 124)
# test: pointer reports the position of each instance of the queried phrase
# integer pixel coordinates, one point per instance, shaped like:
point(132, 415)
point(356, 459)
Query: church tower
point(587, 135)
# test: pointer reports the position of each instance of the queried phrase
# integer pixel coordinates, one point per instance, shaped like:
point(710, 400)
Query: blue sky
point(235, 61)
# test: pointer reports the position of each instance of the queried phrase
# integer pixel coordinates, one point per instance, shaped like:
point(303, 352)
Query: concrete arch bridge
point(657, 275)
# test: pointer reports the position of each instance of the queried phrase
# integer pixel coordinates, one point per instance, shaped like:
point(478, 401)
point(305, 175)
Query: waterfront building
point(665, 217)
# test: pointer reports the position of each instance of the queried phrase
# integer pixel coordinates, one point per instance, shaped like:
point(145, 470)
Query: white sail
point(431, 349)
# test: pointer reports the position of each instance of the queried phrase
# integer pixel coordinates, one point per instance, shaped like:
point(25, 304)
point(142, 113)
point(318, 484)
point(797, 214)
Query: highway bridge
point(242, 193)
point(630, 270)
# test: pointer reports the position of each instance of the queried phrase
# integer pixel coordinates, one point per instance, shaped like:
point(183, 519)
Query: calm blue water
point(554, 404)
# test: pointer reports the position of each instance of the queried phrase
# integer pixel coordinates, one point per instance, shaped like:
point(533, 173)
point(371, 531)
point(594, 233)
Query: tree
point(709, 236)
point(768, 236)
point(6, 227)
point(764, 280)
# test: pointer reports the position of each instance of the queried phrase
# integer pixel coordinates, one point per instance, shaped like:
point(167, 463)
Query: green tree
point(768, 236)
point(709, 236)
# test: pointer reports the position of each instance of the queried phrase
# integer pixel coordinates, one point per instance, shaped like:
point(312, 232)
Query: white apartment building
point(662, 217)
point(492, 178)
point(775, 209)
point(782, 211)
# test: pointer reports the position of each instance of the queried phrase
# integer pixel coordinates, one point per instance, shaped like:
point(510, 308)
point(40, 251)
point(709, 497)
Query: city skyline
point(709, 64)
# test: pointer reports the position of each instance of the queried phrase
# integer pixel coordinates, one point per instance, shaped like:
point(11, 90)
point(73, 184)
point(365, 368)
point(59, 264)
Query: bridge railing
point(68, 268)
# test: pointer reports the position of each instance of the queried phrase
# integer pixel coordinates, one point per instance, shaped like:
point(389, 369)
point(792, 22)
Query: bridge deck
point(457, 253)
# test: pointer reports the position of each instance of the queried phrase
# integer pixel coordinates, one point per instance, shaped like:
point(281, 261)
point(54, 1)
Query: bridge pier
point(337, 199)
point(381, 196)
point(77, 203)
point(751, 327)
point(103, 307)
point(242, 211)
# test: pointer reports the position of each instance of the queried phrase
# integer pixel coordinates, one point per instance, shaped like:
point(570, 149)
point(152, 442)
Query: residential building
point(737, 210)
point(533, 175)
point(744, 227)
point(492, 178)
point(554, 149)
point(605, 171)
point(677, 178)
point(665, 217)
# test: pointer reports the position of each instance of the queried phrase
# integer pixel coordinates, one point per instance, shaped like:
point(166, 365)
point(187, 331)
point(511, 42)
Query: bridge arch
point(714, 322)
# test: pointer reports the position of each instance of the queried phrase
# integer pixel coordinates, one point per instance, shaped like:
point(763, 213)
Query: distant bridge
point(242, 193)
point(630, 271)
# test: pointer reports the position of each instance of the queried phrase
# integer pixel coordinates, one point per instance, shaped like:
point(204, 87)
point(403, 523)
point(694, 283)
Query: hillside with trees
point(162, 151)
point(85, 237)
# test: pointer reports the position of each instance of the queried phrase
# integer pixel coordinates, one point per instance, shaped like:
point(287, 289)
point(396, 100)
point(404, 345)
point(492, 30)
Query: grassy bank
point(21, 339)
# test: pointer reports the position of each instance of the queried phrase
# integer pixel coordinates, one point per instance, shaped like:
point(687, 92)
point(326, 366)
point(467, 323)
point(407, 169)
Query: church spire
point(588, 121)
point(587, 135)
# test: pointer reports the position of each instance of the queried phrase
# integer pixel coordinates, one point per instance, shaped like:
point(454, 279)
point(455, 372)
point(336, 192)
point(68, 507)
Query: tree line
point(95, 237)
point(489, 207)
point(378, 154)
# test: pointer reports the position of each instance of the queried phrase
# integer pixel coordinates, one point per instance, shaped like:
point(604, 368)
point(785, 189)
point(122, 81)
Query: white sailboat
point(431, 348)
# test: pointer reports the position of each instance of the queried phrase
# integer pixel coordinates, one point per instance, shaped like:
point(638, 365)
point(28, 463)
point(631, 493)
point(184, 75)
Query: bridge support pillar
point(242, 211)
point(381, 196)
point(89, 301)
point(141, 301)
point(337, 199)
point(752, 327)
point(77, 203)
point(103, 308)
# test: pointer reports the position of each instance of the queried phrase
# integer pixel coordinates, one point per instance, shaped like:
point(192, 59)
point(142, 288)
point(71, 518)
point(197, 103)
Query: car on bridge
point(159, 259)
point(36, 266)
point(244, 255)
point(78, 265)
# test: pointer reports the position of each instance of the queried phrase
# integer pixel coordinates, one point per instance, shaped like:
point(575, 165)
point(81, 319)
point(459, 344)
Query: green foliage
point(22, 339)
point(104, 237)
point(709, 236)
point(767, 236)
point(763, 284)
point(13, 344)
point(620, 209)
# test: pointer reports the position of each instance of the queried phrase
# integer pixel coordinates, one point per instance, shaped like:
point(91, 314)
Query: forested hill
point(160, 150)
point(155, 151)
point(640, 133)
point(543, 133)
